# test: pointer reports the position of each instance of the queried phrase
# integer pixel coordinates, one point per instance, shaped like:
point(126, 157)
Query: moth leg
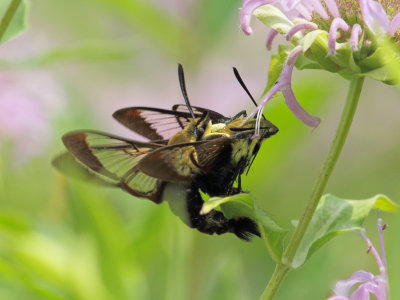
point(215, 221)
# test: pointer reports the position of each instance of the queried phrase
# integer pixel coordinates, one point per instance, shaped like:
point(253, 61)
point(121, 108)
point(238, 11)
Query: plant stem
point(342, 131)
point(5, 21)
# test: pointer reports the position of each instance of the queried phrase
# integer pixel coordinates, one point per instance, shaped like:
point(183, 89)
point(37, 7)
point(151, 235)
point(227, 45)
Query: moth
point(190, 150)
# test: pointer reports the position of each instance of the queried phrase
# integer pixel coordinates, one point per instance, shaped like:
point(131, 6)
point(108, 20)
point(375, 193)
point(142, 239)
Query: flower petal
point(318, 7)
point(394, 25)
point(361, 293)
point(374, 16)
point(343, 287)
point(355, 35)
point(331, 4)
point(290, 4)
point(377, 287)
point(298, 110)
point(336, 24)
point(285, 83)
point(271, 35)
point(248, 8)
point(300, 26)
point(304, 11)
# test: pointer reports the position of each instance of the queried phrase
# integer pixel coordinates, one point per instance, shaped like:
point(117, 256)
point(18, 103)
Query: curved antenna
point(236, 72)
point(181, 77)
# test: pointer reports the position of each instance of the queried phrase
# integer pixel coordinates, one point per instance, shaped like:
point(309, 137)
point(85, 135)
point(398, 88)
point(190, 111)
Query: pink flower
point(369, 283)
point(346, 26)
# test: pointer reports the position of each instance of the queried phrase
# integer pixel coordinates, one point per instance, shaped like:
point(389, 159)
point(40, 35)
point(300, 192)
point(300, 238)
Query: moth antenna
point(237, 75)
point(181, 76)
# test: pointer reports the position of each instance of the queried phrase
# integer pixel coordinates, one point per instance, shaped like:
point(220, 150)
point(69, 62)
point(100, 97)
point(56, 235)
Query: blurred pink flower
point(28, 100)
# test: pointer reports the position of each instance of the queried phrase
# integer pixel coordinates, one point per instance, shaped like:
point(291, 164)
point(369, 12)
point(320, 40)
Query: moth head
point(247, 129)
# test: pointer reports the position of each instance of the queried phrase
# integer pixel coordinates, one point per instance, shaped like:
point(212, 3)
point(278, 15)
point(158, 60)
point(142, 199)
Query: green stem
point(5, 21)
point(342, 131)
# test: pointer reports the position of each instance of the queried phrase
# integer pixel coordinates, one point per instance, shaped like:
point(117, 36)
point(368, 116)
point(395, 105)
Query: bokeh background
point(78, 62)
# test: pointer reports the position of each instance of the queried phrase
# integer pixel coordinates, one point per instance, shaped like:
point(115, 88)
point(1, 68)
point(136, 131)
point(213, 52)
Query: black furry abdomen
point(219, 180)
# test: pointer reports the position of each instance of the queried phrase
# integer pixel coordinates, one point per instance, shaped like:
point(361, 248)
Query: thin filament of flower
point(380, 229)
point(300, 26)
point(336, 24)
point(372, 249)
point(394, 25)
point(271, 35)
point(355, 35)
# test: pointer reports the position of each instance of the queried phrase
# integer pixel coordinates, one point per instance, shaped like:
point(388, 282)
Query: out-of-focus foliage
point(13, 18)
point(61, 239)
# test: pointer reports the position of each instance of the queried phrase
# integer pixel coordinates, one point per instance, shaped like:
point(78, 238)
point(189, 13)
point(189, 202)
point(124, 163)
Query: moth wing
point(140, 184)
point(214, 116)
point(153, 123)
point(69, 166)
point(181, 162)
point(113, 157)
point(106, 154)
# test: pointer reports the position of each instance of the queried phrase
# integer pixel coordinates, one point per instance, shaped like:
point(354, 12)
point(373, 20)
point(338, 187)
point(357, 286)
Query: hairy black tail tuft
point(244, 228)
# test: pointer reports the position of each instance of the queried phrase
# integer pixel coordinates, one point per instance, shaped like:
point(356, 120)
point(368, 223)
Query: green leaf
point(14, 16)
point(215, 202)
point(335, 216)
point(272, 234)
point(243, 205)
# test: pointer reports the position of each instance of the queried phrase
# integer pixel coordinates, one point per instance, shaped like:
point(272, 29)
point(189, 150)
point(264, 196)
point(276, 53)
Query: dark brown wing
point(160, 124)
point(181, 162)
point(114, 157)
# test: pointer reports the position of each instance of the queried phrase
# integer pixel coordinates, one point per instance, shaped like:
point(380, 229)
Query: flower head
point(339, 36)
point(369, 283)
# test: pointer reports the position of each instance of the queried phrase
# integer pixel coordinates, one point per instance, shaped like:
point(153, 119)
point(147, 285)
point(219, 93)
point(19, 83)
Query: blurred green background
point(78, 62)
